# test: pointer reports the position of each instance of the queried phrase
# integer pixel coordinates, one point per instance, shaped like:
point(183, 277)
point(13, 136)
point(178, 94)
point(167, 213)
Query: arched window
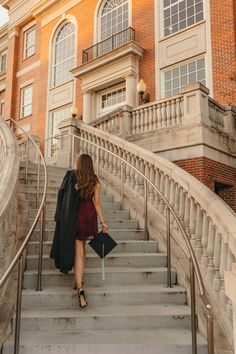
point(114, 17)
point(63, 53)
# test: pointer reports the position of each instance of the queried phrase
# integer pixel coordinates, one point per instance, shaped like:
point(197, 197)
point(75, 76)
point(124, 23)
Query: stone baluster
point(146, 174)
point(110, 159)
point(134, 123)
point(138, 126)
point(167, 188)
point(146, 120)
point(151, 118)
point(106, 156)
point(127, 169)
point(179, 102)
point(102, 154)
point(162, 190)
point(157, 184)
point(151, 189)
point(216, 260)
point(132, 172)
point(198, 232)
point(168, 114)
point(154, 116)
point(173, 112)
point(141, 130)
point(192, 223)
point(142, 170)
point(181, 205)
point(163, 114)
point(114, 161)
point(210, 252)
point(118, 163)
point(223, 268)
point(187, 213)
point(229, 305)
point(205, 228)
point(172, 198)
point(137, 176)
point(159, 116)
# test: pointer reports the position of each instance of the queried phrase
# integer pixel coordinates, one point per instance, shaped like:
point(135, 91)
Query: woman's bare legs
point(80, 258)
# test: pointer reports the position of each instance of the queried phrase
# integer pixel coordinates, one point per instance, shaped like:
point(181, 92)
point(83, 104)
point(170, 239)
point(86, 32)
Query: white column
point(230, 290)
point(87, 107)
point(131, 91)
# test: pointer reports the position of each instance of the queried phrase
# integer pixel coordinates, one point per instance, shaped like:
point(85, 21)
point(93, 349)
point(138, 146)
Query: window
point(179, 14)
point(29, 42)
point(178, 77)
point(114, 17)
point(55, 118)
point(113, 98)
point(3, 61)
point(26, 101)
point(64, 54)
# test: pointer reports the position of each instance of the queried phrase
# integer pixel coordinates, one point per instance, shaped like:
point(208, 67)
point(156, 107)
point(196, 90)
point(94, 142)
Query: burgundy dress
point(86, 220)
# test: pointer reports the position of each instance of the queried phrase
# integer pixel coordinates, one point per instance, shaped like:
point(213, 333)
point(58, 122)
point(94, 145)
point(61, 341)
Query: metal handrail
point(18, 258)
point(194, 267)
point(85, 53)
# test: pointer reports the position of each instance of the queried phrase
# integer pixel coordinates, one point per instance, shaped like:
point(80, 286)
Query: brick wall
point(210, 172)
point(223, 28)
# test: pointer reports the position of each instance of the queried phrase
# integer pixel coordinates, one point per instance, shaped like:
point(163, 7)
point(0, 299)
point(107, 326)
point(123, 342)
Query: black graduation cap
point(102, 245)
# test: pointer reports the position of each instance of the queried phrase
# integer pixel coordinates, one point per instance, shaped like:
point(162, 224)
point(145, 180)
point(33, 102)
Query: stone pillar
point(131, 91)
point(126, 121)
point(195, 104)
point(65, 156)
point(230, 120)
point(230, 290)
point(87, 107)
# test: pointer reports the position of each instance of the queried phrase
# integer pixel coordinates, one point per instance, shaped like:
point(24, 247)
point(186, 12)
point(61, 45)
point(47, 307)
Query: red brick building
point(111, 45)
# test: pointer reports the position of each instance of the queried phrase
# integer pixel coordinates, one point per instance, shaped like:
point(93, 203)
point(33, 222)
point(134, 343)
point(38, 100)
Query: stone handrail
point(9, 169)
point(210, 224)
point(193, 105)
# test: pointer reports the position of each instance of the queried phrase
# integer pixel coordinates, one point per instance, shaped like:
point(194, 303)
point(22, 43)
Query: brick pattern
point(208, 172)
point(223, 29)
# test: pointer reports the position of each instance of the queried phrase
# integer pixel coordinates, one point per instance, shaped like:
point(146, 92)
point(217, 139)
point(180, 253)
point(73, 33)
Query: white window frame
point(22, 98)
point(51, 141)
point(3, 54)
point(172, 67)
point(53, 65)
point(102, 111)
point(179, 30)
point(25, 47)
point(2, 108)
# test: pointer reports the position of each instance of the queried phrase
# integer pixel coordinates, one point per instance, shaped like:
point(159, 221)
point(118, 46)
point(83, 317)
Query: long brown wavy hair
point(86, 178)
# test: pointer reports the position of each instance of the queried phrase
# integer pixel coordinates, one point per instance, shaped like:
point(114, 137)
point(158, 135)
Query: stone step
point(117, 234)
point(108, 214)
point(106, 317)
point(111, 224)
point(123, 246)
point(34, 166)
point(134, 260)
point(52, 197)
point(52, 205)
point(51, 189)
point(105, 296)
point(93, 277)
point(32, 182)
point(144, 341)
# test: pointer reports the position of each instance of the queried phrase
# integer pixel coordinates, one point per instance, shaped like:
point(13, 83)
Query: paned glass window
point(179, 14)
point(64, 54)
point(114, 18)
point(186, 74)
point(29, 42)
point(26, 101)
point(3, 61)
point(112, 98)
point(55, 118)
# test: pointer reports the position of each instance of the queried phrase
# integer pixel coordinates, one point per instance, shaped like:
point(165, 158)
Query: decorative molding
point(28, 68)
point(26, 83)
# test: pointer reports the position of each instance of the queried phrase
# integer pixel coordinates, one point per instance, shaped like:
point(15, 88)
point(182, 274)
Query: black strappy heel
point(82, 294)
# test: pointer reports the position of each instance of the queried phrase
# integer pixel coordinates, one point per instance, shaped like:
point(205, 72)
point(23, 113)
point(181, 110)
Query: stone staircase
point(132, 311)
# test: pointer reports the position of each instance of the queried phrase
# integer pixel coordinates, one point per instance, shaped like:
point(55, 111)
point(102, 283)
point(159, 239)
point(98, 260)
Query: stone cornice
point(131, 48)
point(43, 6)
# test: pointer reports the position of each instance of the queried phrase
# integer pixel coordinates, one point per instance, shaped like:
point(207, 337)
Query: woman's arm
point(98, 206)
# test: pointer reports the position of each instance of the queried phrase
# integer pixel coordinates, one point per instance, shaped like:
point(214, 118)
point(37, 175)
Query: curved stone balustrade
point(210, 224)
point(216, 113)
point(9, 169)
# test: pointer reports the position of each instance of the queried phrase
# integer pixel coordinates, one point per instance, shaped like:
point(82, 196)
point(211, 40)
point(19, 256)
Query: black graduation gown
point(63, 246)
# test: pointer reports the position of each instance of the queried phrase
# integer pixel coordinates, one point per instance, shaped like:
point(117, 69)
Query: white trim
point(25, 33)
point(59, 11)
point(157, 51)
point(29, 25)
point(21, 101)
point(97, 15)
point(209, 65)
point(28, 68)
point(63, 18)
point(26, 83)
